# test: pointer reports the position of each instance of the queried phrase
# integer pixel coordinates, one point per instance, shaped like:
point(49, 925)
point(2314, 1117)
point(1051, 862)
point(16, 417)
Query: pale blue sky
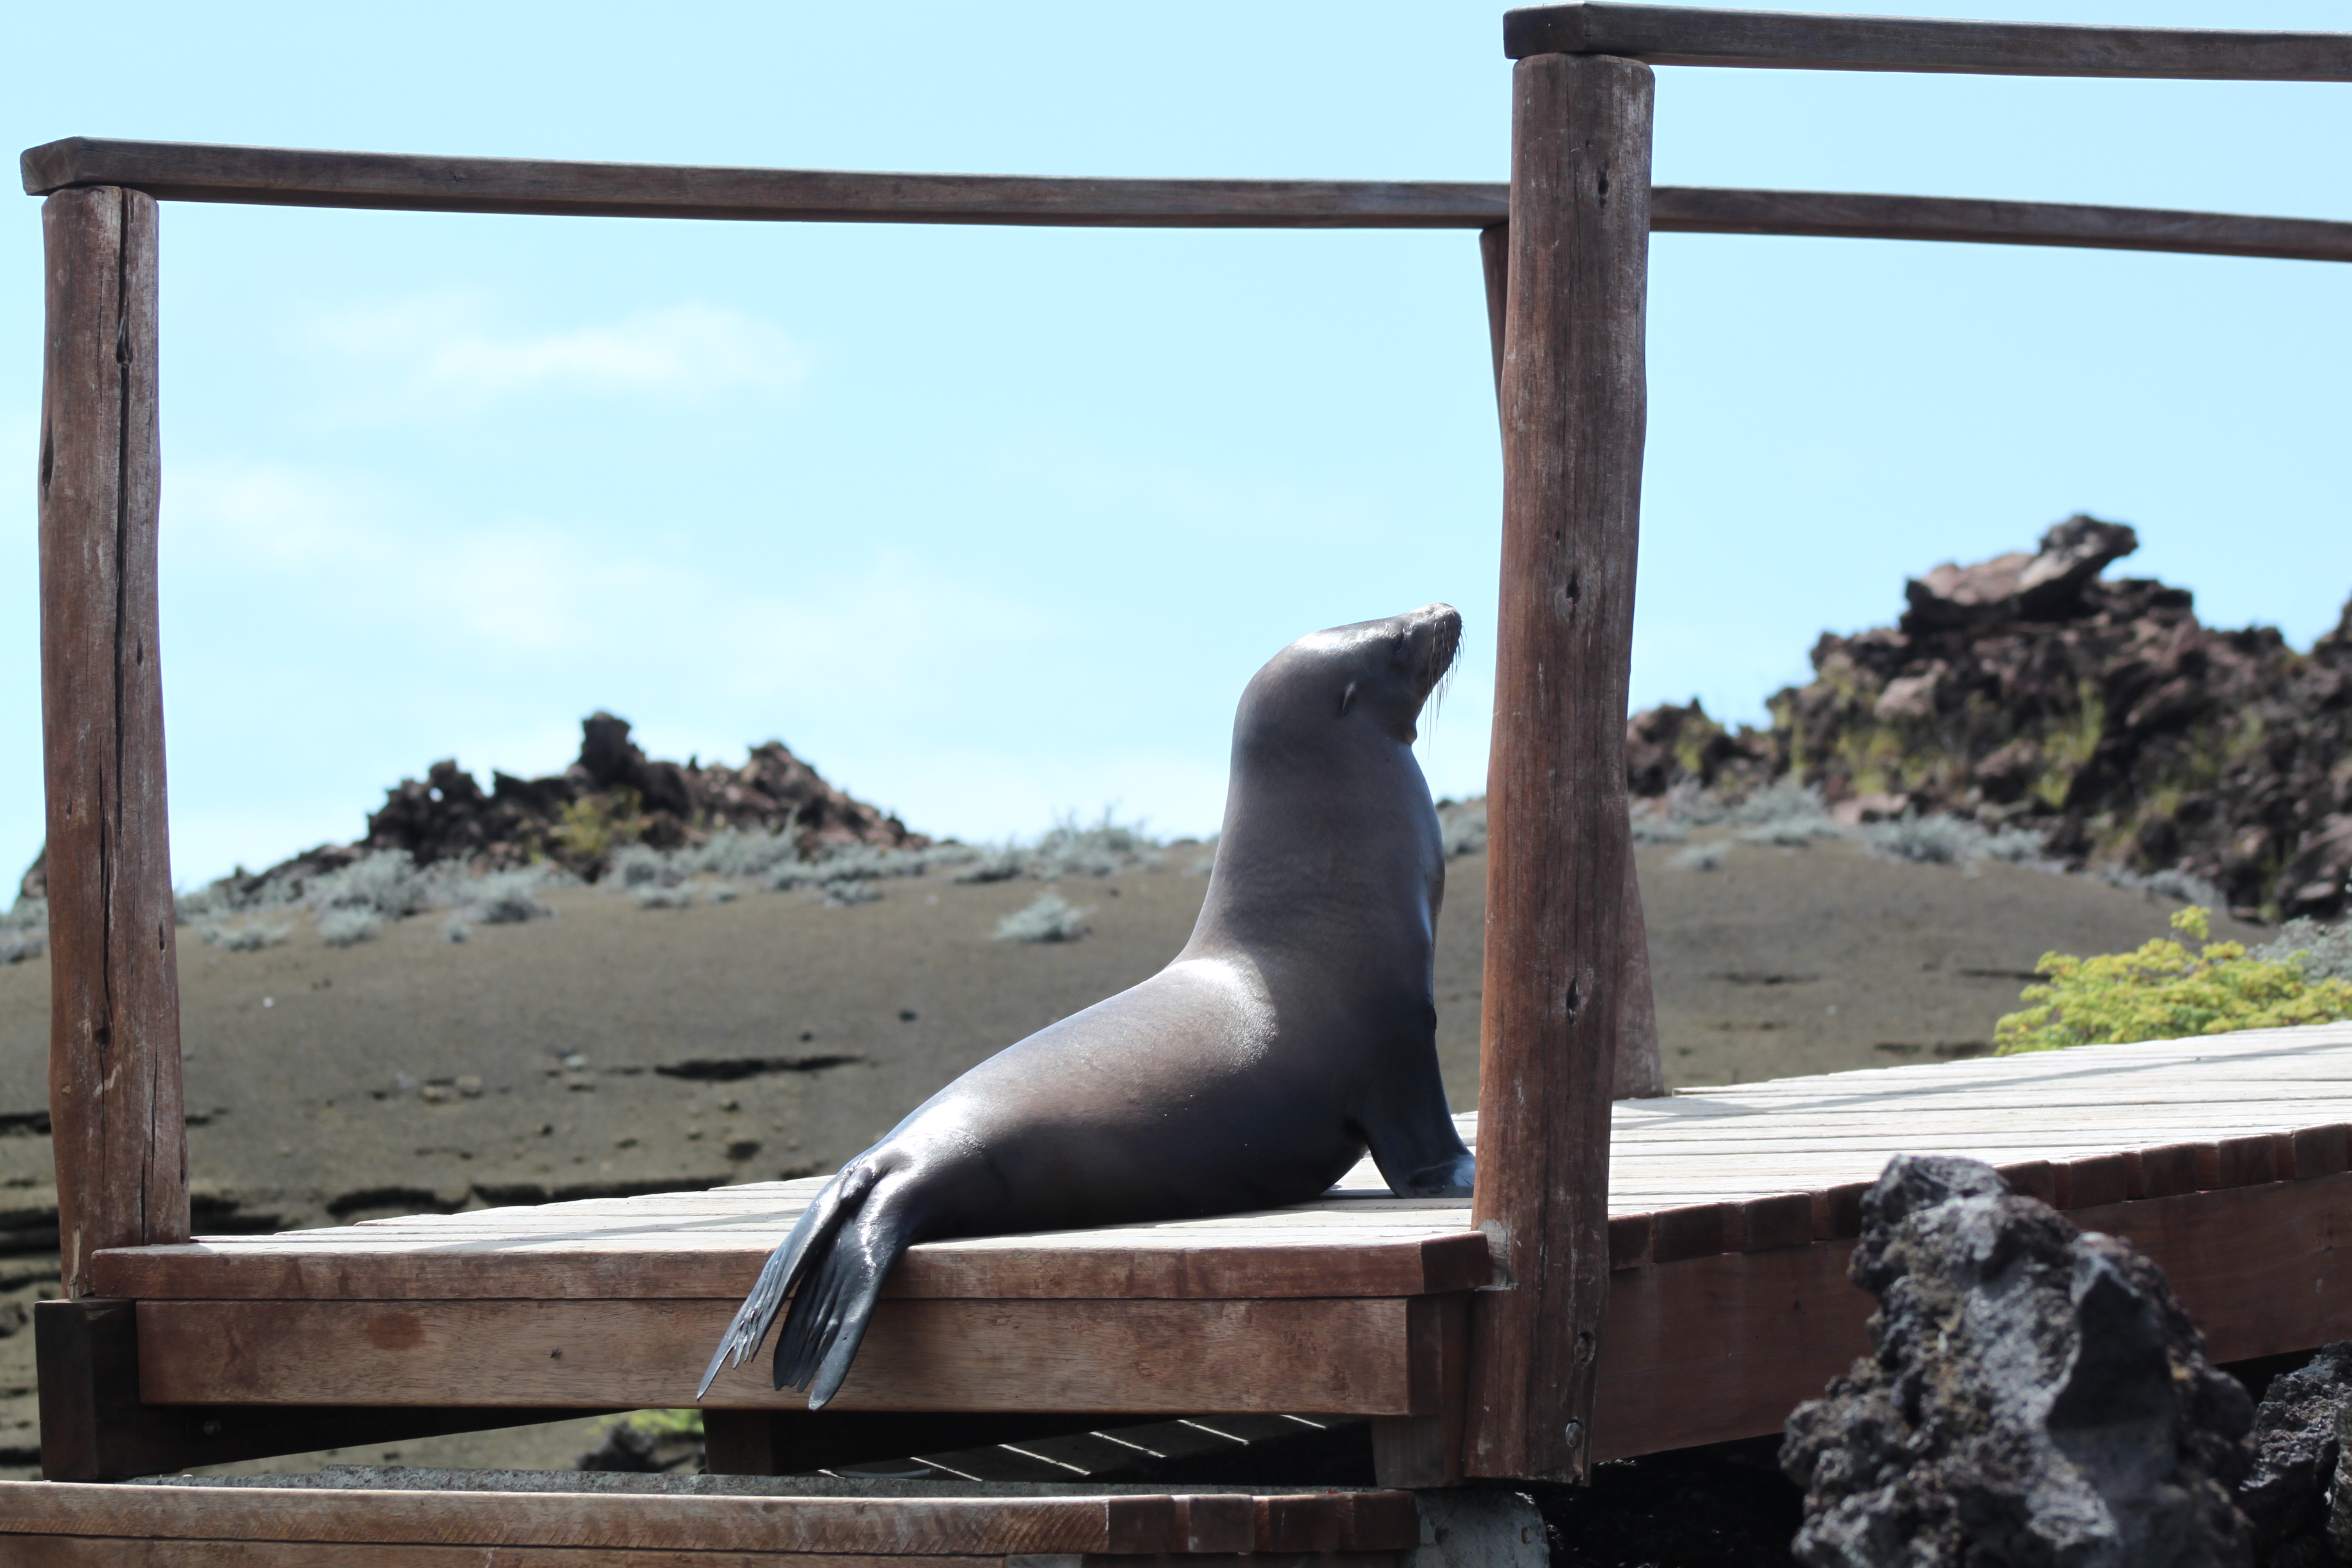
point(992, 523)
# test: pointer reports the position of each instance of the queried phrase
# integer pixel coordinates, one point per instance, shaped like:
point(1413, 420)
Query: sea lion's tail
point(821, 1333)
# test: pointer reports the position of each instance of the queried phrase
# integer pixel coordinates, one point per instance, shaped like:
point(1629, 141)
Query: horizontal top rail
point(1702, 209)
point(1799, 40)
point(298, 177)
point(290, 176)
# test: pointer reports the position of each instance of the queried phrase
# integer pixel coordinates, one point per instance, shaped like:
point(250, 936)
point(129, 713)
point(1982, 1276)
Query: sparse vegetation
point(1070, 849)
point(1709, 856)
point(1462, 825)
point(1783, 813)
point(504, 897)
point(347, 925)
point(2179, 885)
point(1940, 839)
point(24, 931)
point(251, 937)
point(2164, 991)
point(2324, 952)
point(1047, 918)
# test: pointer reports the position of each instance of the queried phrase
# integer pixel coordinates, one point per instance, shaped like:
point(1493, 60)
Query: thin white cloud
point(445, 355)
point(528, 589)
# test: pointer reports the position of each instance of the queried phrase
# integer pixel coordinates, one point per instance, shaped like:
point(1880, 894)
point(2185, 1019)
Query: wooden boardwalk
point(1732, 1212)
point(48, 1525)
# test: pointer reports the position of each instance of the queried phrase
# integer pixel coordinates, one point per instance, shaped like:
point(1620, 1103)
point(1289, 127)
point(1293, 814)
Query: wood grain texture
point(94, 1428)
point(298, 177)
point(1573, 417)
point(859, 1526)
point(115, 1101)
point(492, 1267)
point(1699, 209)
point(1639, 1072)
point(1183, 1358)
point(1700, 35)
point(1415, 1452)
point(1346, 1530)
point(291, 176)
point(180, 1552)
point(119, 1551)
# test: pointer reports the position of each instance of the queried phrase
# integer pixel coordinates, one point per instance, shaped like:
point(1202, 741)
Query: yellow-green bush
point(2163, 991)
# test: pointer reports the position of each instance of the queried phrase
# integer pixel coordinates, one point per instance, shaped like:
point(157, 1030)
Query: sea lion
point(1297, 1029)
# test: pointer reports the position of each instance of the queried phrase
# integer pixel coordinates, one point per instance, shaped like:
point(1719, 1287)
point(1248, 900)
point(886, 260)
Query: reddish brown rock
point(2030, 690)
point(613, 796)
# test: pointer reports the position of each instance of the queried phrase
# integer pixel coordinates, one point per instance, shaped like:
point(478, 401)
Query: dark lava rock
point(615, 794)
point(2036, 1397)
point(2296, 1452)
point(2028, 690)
point(2043, 584)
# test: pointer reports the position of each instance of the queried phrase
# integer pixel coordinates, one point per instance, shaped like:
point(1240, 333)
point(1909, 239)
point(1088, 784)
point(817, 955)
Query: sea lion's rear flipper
point(822, 1334)
point(811, 1238)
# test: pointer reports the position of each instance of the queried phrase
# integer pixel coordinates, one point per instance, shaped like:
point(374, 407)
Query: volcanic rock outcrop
point(2030, 690)
point(2295, 1492)
point(2036, 1397)
point(615, 794)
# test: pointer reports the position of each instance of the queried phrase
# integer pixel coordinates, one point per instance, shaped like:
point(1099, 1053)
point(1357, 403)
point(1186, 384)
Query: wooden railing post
point(1639, 1072)
point(1573, 416)
point(115, 1105)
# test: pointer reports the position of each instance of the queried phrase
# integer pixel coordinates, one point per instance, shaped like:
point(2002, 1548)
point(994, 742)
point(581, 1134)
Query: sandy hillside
point(618, 1049)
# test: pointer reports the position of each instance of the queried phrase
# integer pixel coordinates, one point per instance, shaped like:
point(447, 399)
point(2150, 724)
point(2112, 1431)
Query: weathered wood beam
point(580, 1528)
point(1574, 407)
point(1703, 35)
point(300, 177)
point(94, 1428)
point(1159, 1358)
point(1639, 1072)
point(1700, 209)
point(286, 176)
point(115, 1105)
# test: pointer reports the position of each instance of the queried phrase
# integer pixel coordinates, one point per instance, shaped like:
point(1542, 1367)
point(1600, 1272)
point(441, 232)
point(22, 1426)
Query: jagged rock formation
point(615, 794)
point(2036, 1397)
point(2028, 690)
point(2297, 1454)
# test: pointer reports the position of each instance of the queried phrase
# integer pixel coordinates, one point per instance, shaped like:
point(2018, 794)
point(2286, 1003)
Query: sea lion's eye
point(1347, 700)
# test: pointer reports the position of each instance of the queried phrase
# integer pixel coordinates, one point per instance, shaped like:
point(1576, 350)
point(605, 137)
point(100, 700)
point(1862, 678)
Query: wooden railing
point(1565, 249)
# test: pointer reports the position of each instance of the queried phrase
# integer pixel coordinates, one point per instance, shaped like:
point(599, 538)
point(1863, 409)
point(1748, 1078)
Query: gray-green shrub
point(346, 924)
point(1048, 917)
point(2321, 952)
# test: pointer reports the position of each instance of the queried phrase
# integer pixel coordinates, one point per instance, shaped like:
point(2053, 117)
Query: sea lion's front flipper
point(1409, 1131)
point(810, 1239)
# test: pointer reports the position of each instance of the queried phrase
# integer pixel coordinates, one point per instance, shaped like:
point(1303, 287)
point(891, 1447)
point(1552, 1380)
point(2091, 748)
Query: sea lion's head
point(1374, 674)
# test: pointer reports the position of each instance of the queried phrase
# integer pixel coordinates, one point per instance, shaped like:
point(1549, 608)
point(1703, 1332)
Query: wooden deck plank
point(1331, 1264)
point(1333, 1356)
point(812, 1531)
point(1731, 1216)
point(2169, 1116)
